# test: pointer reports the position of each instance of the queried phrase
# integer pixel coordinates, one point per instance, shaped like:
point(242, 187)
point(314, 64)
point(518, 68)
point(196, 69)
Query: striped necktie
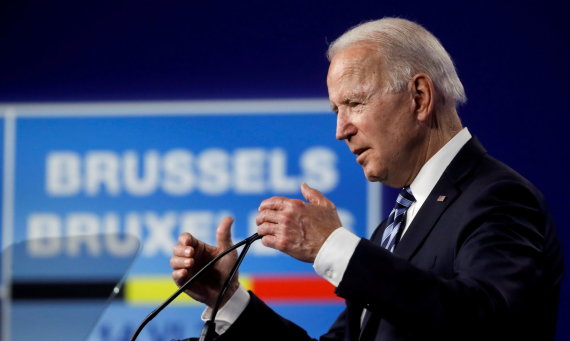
point(397, 219)
point(392, 233)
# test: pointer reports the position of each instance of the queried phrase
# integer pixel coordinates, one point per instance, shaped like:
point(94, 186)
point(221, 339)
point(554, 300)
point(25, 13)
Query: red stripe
point(294, 288)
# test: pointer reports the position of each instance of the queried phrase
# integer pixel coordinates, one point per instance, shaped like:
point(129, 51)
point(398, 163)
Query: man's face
point(379, 128)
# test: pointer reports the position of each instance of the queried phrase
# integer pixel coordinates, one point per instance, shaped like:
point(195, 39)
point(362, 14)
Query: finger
point(267, 229)
point(274, 203)
point(268, 216)
point(315, 197)
point(181, 262)
point(187, 239)
point(271, 242)
point(224, 233)
point(179, 275)
point(183, 250)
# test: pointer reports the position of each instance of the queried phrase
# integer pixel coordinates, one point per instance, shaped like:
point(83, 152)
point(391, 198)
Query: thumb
point(315, 197)
point(224, 233)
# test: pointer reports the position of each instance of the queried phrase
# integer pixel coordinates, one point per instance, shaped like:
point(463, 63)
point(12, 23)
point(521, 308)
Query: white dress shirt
point(333, 257)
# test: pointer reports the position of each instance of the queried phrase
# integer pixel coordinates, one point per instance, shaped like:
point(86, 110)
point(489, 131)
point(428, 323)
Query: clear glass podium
point(55, 289)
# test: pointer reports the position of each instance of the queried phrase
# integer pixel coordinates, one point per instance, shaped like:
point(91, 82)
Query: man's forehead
point(355, 71)
point(355, 60)
point(359, 51)
point(348, 70)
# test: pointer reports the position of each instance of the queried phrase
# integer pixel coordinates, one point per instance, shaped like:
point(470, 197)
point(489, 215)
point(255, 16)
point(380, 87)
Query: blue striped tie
point(397, 219)
point(396, 222)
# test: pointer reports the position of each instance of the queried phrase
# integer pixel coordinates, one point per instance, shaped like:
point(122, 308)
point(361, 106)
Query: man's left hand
point(296, 227)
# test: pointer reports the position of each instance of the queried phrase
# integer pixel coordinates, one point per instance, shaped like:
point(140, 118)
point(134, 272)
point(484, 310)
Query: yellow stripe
point(152, 290)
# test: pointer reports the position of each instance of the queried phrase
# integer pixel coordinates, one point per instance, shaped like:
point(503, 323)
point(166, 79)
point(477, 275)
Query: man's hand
point(295, 227)
point(191, 254)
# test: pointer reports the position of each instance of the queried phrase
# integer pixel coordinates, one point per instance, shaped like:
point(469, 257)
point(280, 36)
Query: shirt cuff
point(333, 257)
point(230, 311)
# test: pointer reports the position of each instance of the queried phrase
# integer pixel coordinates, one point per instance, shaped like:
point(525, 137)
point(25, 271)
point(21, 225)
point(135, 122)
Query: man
point(468, 253)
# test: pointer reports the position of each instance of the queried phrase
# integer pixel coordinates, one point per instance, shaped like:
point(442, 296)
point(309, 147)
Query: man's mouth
point(359, 153)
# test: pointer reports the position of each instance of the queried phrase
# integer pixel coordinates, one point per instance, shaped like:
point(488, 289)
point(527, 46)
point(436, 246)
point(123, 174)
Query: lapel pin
point(441, 198)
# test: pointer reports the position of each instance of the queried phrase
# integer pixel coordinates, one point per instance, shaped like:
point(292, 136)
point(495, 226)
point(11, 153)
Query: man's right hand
point(191, 254)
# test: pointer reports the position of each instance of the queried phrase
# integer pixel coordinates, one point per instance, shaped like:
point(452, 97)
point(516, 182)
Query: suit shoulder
point(491, 177)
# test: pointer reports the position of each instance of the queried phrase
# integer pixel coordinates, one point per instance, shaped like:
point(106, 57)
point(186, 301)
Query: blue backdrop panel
point(87, 172)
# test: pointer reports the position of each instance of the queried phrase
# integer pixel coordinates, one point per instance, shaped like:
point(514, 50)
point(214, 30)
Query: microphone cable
point(210, 324)
point(208, 331)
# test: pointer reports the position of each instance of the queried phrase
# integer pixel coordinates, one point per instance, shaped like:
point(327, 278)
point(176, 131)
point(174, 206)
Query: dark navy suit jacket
point(483, 264)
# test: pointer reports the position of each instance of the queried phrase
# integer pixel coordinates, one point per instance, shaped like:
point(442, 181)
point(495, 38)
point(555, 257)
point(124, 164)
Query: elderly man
point(468, 252)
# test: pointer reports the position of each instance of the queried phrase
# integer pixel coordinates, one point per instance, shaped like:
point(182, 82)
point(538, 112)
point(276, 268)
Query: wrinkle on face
point(392, 134)
point(377, 126)
point(355, 77)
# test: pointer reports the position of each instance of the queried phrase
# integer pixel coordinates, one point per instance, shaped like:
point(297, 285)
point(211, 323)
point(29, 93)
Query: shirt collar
point(432, 170)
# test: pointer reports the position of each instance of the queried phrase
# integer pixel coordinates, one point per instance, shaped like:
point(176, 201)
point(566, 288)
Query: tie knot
point(397, 219)
point(405, 198)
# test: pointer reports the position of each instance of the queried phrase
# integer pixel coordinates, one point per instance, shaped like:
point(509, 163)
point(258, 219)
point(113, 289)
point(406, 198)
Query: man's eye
point(353, 103)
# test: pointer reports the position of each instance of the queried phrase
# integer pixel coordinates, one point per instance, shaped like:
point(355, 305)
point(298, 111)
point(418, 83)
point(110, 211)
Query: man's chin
point(373, 176)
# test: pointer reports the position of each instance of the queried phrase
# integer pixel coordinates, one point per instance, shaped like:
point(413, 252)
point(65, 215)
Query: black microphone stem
point(210, 326)
point(248, 241)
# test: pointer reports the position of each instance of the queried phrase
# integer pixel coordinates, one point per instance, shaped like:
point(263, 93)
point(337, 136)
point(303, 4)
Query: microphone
point(209, 327)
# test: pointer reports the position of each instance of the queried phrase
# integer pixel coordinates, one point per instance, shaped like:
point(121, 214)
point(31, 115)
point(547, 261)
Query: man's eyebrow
point(347, 100)
point(354, 96)
point(334, 108)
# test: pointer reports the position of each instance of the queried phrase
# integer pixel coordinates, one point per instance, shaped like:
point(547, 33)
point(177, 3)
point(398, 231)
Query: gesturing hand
point(191, 254)
point(296, 227)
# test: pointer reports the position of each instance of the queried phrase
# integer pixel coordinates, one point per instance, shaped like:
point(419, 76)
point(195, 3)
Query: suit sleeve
point(258, 322)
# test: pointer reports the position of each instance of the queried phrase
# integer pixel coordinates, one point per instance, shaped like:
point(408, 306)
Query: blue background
point(87, 128)
point(37, 137)
point(512, 57)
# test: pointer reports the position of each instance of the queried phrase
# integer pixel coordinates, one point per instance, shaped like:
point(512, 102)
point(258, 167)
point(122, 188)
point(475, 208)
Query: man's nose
point(344, 128)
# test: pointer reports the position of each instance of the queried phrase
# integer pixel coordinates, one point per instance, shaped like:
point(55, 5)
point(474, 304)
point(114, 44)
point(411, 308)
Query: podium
point(56, 289)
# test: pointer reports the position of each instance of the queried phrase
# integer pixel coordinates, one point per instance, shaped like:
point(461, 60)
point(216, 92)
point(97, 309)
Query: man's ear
point(422, 90)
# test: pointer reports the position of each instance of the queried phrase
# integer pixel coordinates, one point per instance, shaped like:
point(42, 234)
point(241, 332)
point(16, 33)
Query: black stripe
point(63, 290)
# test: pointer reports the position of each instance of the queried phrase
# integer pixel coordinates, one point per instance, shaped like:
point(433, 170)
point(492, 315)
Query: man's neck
point(444, 126)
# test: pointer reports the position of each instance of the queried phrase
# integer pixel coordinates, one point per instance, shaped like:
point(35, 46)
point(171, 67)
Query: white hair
point(407, 49)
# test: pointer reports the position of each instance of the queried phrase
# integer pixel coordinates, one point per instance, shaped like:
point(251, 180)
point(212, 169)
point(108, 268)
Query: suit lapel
point(426, 218)
point(441, 197)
